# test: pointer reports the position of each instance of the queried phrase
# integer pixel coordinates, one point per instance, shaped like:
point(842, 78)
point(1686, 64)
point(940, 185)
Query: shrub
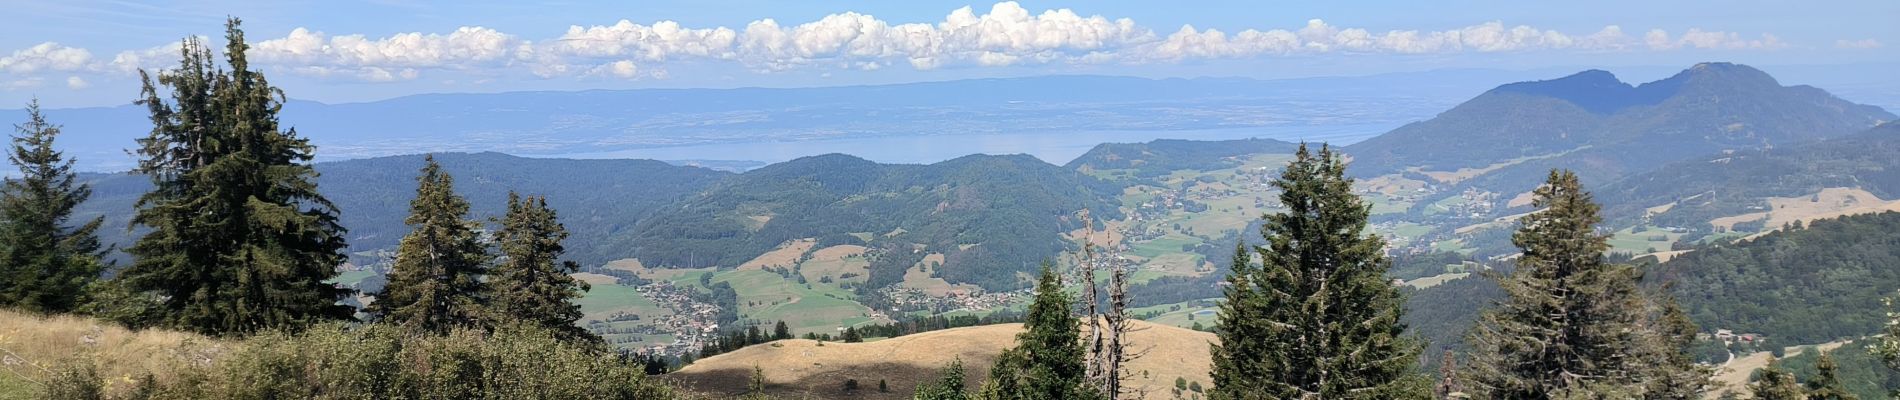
point(378, 361)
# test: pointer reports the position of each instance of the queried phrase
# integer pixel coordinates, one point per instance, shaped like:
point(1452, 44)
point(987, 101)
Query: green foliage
point(1811, 285)
point(531, 283)
point(1857, 371)
point(948, 386)
point(435, 284)
point(1775, 383)
point(46, 262)
point(1826, 382)
point(1047, 360)
point(1318, 318)
point(1572, 325)
point(240, 239)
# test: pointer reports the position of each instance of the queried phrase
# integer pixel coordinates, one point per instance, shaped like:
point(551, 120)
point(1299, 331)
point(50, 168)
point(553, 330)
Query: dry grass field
point(1828, 203)
point(782, 257)
point(32, 345)
point(795, 368)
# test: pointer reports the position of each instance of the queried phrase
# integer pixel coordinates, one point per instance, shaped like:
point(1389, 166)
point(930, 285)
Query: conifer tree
point(1776, 383)
point(1675, 374)
point(45, 261)
point(531, 283)
point(1571, 324)
point(435, 284)
point(948, 386)
point(1826, 384)
point(1325, 320)
point(1239, 359)
point(1047, 360)
point(240, 239)
point(781, 331)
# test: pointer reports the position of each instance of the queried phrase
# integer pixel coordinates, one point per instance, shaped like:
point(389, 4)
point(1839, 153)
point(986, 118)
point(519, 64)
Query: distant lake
point(1053, 147)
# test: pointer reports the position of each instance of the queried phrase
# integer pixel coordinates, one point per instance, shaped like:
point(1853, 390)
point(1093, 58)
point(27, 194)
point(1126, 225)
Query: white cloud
point(77, 83)
point(1857, 44)
point(48, 56)
point(391, 58)
point(1696, 38)
point(1006, 34)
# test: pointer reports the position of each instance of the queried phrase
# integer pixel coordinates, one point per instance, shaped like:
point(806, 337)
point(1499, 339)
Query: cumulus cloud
point(1694, 38)
point(1857, 44)
point(48, 56)
point(1005, 34)
point(76, 83)
point(391, 58)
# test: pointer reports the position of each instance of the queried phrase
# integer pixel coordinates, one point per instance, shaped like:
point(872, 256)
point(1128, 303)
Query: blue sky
point(86, 53)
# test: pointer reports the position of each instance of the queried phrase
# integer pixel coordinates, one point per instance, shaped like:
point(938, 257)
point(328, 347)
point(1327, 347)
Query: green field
point(1206, 316)
point(813, 307)
point(603, 300)
point(351, 278)
point(1630, 241)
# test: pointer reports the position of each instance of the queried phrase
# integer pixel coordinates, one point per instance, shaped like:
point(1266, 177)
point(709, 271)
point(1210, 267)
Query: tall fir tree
point(531, 283)
point(1322, 315)
point(1572, 324)
point(1674, 373)
point(45, 261)
point(1240, 360)
point(1047, 361)
point(240, 239)
point(435, 284)
point(1827, 384)
point(1776, 383)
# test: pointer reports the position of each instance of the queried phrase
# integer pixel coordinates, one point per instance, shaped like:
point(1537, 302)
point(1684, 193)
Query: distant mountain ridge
point(1590, 119)
point(1726, 184)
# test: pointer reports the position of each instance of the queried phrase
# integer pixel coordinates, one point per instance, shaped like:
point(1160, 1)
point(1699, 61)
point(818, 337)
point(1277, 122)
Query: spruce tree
point(1674, 372)
point(1826, 384)
point(435, 284)
point(781, 331)
point(1776, 383)
point(531, 283)
point(240, 239)
point(1047, 360)
point(1318, 318)
point(1572, 324)
point(45, 261)
point(948, 386)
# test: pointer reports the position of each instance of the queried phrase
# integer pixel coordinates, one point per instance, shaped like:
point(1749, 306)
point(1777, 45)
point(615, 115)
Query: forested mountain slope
point(1804, 286)
point(1161, 157)
point(1720, 185)
point(990, 216)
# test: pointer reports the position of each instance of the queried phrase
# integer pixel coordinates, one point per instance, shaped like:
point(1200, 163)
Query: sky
point(81, 53)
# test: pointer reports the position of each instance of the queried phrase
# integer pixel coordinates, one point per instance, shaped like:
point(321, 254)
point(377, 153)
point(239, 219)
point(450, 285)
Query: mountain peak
point(1596, 90)
point(1713, 75)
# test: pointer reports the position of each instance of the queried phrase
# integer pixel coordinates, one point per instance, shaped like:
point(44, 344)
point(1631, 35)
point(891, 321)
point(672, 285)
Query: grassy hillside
point(807, 368)
point(40, 345)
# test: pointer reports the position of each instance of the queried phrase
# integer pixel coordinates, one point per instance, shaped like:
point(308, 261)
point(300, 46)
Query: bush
point(379, 361)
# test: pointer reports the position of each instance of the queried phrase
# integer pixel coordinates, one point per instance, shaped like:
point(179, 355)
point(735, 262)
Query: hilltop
point(804, 367)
